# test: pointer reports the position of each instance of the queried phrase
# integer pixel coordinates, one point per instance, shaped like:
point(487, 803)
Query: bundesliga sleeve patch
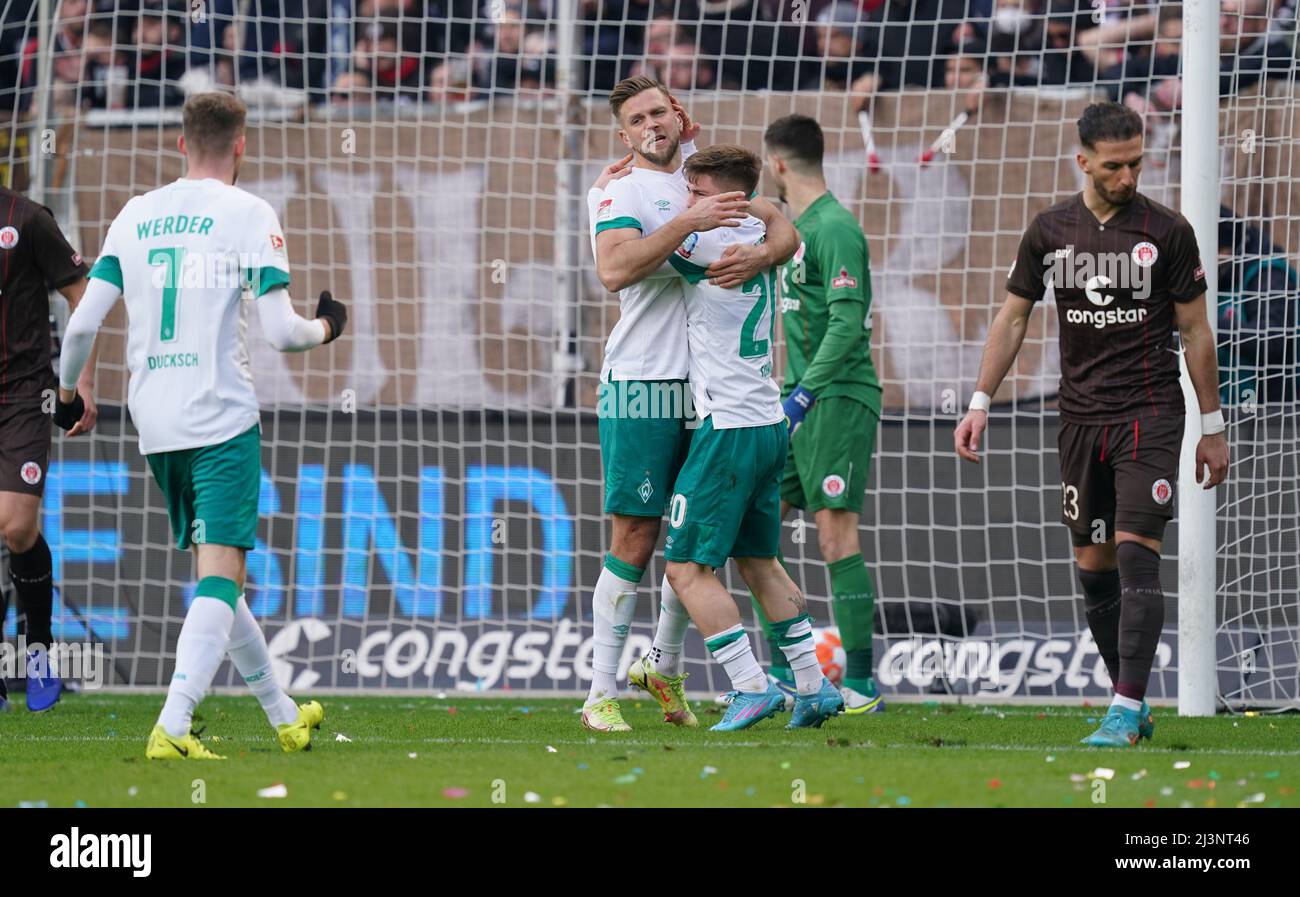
point(277, 242)
point(1199, 273)
point(604, 210)
point(844, 279)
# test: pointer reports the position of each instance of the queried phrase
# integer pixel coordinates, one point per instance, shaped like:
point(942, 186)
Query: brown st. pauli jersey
point(34, 259)
point(1115, 286)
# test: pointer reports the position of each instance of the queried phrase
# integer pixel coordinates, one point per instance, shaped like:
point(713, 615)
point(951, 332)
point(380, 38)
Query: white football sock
point(670, 633)
point(613, 604)
point(248, 652)
point(199, 651)
point(732, 649)
point(801, 652)
point(1126, 703)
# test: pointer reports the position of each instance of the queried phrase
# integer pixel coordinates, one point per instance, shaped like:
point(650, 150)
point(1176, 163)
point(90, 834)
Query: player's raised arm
point(1203, 368)
point(1000, 350)
point(740, 263)
point(625, 257)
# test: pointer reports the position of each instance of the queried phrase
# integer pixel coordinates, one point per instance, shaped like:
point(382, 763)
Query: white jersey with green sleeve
point(649, 340)
point(731, 332)
point(185, 257)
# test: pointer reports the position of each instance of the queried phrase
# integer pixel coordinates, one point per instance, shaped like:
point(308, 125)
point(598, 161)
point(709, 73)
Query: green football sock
point(853, 602)
point(780, 667)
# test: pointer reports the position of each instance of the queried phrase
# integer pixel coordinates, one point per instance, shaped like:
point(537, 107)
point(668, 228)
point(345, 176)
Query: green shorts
point(643, 442)
point(830, 456)
point(727, 501)
point(212, 490)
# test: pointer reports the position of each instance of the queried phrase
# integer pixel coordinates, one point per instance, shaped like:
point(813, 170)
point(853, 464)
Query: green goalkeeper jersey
point(826, 307)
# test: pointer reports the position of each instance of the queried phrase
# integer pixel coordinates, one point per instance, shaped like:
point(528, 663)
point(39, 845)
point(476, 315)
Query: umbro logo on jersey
point(662, 205)
point(8, 237)
point(844, 279)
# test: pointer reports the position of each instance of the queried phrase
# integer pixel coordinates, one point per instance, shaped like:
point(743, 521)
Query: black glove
point(66, 414)
point(334, 312)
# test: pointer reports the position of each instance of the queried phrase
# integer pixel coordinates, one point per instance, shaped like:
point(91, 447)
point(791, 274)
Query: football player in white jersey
point(639, 220)
point(727, 497)
point(189, 258)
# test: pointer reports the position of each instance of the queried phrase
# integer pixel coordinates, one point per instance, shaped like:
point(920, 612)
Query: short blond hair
point(212, 123)
point(630, 87)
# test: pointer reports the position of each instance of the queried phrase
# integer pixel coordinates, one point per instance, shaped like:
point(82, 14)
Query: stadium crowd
point(140, 54)
point(148, 54)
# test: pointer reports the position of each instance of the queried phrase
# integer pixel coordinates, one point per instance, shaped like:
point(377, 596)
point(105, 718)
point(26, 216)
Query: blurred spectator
point(1032, 45)
point(1130, 81)
point(908, 41)
point(351, 87)
point(1250, 48)
point(673, 58)
point(841, 62)
point(1110, 44)
point(964, 71)
point(609, 38)
point(512, 57)
point(1259, 322)
point(103, 76)
point(285, 45)
point(684, 70)
point(161, 60)
point(754, 44)
point(382, 57)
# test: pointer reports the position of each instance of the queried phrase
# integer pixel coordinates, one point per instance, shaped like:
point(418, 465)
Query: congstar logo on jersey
point(89, 851)
point(1100, 274)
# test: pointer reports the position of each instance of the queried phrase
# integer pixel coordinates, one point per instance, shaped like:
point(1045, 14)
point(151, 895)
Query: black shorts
point(24, 447)
point(1119, 477)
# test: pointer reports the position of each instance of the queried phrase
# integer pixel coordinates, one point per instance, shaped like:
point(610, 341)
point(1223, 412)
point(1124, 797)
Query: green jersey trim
point(689, 270)
point(616, 223)
point(108, 269)
point(263, 280)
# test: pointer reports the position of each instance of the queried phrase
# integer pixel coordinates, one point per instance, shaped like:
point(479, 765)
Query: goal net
point(431, 489)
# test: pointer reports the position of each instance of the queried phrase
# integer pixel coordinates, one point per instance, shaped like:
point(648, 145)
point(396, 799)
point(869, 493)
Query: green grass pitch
point(466, 751)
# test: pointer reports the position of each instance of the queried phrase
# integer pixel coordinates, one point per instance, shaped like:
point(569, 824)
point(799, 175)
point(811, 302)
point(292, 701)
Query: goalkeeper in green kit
point(831, 393)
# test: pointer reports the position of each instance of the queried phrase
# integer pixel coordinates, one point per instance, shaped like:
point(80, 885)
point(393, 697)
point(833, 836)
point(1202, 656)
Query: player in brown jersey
point(34, 259)
point(1124, 271)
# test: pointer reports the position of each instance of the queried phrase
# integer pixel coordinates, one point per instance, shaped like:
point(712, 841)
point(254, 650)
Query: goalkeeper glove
point(796, 405)
point(333, 311)
point(66, 414)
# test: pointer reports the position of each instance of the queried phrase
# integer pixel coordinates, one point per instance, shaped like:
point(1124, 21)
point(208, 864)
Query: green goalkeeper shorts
point(727, 501)
point(830, 456)
point(212, 490)
point(643, 442)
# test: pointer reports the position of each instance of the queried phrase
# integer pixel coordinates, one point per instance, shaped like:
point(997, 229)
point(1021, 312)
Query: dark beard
point(1115, 199)
point(665, 157)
